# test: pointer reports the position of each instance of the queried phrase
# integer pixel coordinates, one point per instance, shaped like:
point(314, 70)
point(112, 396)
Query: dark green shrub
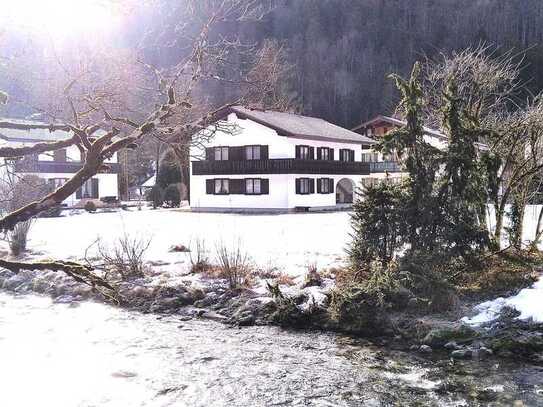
point(172, 197)
point(156, 196)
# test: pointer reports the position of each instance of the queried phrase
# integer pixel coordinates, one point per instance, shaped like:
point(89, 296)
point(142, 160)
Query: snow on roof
point(150, 182)
point(294, 125)
point(32, 134)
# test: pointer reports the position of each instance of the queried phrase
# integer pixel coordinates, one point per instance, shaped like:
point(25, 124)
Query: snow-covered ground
point(287, 242)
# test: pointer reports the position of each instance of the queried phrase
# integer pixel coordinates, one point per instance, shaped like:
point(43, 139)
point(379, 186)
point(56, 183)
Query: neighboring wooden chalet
point(58, 166)
point(277, 161)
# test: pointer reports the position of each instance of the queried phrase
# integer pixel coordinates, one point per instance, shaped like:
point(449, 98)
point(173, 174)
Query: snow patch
point(527, 302)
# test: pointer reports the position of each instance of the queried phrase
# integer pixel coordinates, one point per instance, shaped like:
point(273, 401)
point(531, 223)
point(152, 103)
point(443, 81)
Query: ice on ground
point(528, 302)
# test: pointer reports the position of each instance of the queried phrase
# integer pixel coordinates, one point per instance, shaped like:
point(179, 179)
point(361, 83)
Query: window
point(221, 153)
point(222, 187)
point(253, 186)
point(304, 152)
point(370, 157)
point(252, 152)
point(88, 190)
point(59, 155)
point(346, 154)
point(305, 186)
point(57, 182)
point(324, 153)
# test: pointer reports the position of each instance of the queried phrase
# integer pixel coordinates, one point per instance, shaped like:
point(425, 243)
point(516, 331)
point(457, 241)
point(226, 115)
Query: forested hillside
point(343, 49)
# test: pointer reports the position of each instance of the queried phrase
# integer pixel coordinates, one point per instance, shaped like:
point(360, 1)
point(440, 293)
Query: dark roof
point(33, 134)
point(297, 126)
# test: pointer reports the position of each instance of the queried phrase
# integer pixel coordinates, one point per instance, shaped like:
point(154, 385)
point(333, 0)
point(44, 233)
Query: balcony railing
point(27, 166)
point(279, 166)
point(385, 166)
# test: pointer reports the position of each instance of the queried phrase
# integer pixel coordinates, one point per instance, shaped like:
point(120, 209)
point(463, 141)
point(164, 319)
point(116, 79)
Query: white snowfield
point(288, 242)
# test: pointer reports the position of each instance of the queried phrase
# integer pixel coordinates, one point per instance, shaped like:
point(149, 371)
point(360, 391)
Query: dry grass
point(501, 273)
point(284, 279)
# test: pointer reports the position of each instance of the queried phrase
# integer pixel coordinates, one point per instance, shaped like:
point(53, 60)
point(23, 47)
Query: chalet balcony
point(69, 167)
point(385, 166)
point(280, 166)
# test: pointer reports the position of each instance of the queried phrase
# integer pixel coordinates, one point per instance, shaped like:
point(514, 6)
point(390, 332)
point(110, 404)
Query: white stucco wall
point(252, 133)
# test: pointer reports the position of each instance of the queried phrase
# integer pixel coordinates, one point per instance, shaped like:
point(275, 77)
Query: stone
point(425, 349)
point(483, 352)
point(438, 337)
point(452, 345)
point(461, 354)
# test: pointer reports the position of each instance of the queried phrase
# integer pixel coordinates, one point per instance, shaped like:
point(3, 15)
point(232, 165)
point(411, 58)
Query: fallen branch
point(78, 272)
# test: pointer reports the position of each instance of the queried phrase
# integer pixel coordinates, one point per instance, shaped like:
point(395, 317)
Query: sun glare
point(60, 18)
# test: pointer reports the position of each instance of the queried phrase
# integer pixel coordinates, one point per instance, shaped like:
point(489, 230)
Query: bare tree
point(177, 120)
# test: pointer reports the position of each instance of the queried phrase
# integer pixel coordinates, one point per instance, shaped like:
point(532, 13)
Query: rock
point(14, 281)
point(414, 348)
point(461, 354)
point(425, 349)
point(438, 337)
point(482, 353)
point(179, 248)
point(452, 345)
point(64, 299)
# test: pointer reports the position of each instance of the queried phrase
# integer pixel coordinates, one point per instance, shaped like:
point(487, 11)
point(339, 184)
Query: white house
point(58, 166)
point(276, 161)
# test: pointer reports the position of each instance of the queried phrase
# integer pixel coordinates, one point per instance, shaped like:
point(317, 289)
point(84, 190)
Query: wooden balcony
point(68, 167)
point(279, 166)
point(385, 166)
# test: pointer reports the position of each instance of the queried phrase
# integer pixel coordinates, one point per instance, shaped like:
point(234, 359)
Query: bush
point(126, 257)
point(18, 237)
point(172, 197)
point(234, 264)
point(90, 206)
point(156, 196)
point(199, 258)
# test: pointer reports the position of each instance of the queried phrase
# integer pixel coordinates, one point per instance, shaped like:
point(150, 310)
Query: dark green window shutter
point(95, 191)
point(332, 154)
point(311, 153)
point(210, 186)
point(237, 186)
point(298, 152)
point(331, 181)
point(265, 186)
point(319, 185)
point(351, 152)
point(297, 185)
point(210, 154)
point(264, 152)
point(311, 186)
point(319, 153)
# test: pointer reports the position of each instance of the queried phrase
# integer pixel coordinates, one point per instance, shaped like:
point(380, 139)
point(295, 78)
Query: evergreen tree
point(377, 221)
point(421, 161)
point(462, 192)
